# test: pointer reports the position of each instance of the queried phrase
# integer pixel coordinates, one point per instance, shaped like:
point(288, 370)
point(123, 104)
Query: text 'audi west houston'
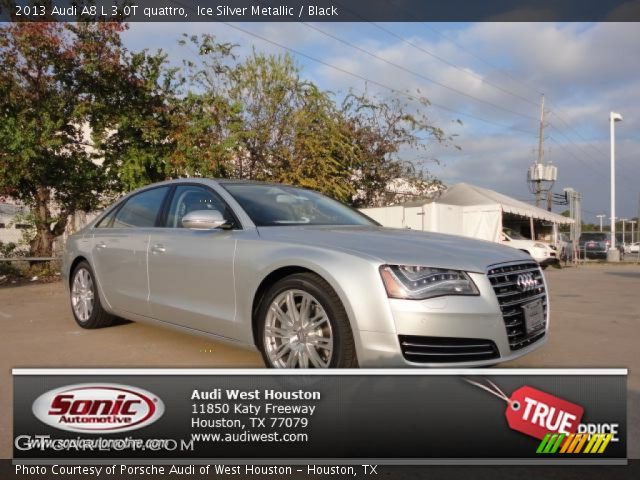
point(304, 279)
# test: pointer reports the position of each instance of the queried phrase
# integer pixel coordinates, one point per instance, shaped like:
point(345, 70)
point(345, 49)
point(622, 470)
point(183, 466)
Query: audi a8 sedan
point(302, 278)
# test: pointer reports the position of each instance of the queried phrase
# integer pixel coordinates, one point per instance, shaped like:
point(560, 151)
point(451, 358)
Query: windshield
point(279, 205)
point(598, 237)
point(513, 234)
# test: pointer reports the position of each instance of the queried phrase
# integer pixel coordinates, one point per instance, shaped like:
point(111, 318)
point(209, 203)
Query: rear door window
point(141, 210)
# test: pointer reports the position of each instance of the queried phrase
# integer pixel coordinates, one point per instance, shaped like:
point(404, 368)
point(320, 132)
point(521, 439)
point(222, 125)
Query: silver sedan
point(304, 279)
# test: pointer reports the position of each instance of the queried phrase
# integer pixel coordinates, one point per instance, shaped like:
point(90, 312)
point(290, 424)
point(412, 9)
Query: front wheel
point(302, 324)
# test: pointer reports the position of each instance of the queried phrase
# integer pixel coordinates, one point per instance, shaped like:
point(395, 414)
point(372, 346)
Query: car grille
point(503, 279)
point(446, 350)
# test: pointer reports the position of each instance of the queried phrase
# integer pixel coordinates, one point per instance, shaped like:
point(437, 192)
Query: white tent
point(462, 209)
point(465, 195)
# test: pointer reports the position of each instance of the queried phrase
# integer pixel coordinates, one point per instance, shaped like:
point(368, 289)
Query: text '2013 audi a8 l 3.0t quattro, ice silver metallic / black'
point(304, 279)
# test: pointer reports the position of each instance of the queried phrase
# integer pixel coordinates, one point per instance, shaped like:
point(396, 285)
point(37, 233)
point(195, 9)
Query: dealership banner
point(411, 417)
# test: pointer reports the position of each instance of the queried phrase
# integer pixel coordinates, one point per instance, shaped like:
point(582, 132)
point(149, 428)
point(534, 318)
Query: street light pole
point(600, 217)
point(613, 255)
point(623, 222)
point(632, 222)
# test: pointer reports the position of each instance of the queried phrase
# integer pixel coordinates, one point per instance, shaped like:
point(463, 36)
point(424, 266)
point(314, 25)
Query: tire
point(85, 300)
point(320, 338)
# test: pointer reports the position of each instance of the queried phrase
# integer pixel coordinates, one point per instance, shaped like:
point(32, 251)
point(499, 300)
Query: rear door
point(120, 251)
point(191, 271)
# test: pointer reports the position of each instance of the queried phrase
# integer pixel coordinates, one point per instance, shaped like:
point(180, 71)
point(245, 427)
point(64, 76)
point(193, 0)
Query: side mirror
point(203, 220)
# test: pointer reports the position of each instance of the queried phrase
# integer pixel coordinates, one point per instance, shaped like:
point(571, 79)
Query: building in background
point(11, 223)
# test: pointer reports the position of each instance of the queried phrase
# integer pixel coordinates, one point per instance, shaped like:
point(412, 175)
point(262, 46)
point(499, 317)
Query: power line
point(588, 154)
point(437, 57)
point(622, 166)
point(373, 82)
point(363, 78)
point(392, 89)
point(451, 64)
point(487, 63)
point(412, 72)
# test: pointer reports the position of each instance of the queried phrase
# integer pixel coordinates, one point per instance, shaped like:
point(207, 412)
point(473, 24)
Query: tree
point(206, 124)
point(45, 160)
point(133, 131)
point(380, 130)
point(80, 116)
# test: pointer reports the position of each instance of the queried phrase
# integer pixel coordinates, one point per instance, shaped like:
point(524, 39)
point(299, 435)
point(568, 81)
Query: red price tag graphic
point(536, 413)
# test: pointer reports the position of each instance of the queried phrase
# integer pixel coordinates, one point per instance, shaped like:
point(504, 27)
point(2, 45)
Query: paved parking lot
point(595, 323)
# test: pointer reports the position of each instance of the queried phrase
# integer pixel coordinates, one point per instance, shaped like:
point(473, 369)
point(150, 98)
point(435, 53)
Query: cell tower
point(541, 176)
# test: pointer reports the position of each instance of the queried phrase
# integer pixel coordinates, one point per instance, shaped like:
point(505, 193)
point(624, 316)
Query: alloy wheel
point(82, 295)
point(298, 332)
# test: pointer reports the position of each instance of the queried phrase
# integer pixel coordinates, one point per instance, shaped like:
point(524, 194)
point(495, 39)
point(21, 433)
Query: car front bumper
point(461, 318)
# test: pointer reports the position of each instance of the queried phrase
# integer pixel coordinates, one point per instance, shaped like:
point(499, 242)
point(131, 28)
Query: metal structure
point(632, 222)
point(541, 176)
point(575, 211)
point(613, 255)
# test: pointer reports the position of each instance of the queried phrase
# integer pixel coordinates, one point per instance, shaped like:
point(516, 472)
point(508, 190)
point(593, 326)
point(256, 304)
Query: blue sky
point(490, 76)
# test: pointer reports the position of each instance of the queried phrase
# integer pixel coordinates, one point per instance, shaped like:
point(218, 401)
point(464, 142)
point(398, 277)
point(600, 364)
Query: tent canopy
point(463, 194)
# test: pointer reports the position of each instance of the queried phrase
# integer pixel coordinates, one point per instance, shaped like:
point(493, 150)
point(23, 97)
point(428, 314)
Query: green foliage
point(82, 117)
point(43, 158)
point(259, 119)
point(206, 124)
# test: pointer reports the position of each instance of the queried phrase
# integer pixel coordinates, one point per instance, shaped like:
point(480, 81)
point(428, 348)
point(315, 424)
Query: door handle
point(101, 245)
point(158, 248)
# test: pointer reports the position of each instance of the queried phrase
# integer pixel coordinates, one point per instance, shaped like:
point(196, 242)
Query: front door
point(191, 277)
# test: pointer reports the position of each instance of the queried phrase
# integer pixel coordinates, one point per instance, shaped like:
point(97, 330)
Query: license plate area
point(533, 316)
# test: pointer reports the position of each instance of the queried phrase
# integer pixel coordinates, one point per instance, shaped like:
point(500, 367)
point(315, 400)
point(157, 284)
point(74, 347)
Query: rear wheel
point(85, 301)
point(303, 324)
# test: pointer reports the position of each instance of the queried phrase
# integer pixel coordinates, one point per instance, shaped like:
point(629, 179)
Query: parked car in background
point(305, 280)
point(595, 245)
point(633, 247)
point(541, 252)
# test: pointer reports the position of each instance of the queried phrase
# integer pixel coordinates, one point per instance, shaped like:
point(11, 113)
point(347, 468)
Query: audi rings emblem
point(525, 282)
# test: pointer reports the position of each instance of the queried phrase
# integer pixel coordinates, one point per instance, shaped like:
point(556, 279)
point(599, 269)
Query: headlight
point(540, 245)
point(419, 283)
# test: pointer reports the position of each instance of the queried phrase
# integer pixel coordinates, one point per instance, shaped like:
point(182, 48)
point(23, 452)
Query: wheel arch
point(74, 264)
point(277, 275)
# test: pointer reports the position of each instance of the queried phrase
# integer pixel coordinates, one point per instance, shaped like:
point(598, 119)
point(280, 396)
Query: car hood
point(399, 246)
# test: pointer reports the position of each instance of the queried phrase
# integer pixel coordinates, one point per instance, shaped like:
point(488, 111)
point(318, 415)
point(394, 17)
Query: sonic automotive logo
point(98, 408)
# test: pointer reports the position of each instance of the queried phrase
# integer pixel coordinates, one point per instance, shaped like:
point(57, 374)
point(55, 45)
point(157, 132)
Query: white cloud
point(585, 70)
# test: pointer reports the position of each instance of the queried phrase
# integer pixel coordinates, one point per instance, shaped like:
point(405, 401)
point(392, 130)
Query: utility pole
point(540, 151)
point(541, 176)
point(600, 217)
